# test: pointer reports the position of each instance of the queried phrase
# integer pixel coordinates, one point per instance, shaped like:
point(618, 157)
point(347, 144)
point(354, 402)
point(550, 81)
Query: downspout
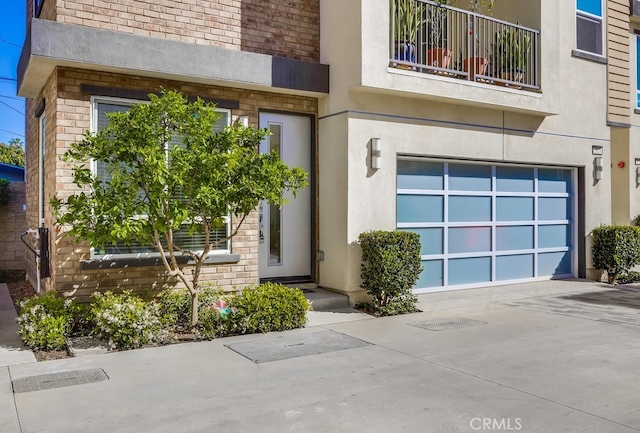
point(36, 234)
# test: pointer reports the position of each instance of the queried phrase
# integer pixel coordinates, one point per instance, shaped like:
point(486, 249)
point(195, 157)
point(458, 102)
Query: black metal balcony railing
point(433, 38)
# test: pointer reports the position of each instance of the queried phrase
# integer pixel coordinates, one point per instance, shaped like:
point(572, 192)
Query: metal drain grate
point(447, 324)
point(295, 346)
point(58, 380)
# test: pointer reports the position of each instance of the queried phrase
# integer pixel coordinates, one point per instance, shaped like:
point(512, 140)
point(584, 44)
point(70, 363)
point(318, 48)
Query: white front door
point(285, 232)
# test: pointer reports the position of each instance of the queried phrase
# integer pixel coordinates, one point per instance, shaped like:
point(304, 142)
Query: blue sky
point(12, 31)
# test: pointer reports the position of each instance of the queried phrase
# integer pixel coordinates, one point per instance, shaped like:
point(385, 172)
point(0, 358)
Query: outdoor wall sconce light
point(637, 176)
point(376, 153)
point(597, 168)
point(597, 150)
point(244, 121)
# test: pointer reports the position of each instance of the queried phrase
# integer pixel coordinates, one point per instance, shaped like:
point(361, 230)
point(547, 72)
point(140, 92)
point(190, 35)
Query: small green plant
point(616, 249)
point(268, 307)
point(629, 277)
point(511, 47)
point(636, 220)
point(4, 191)
point(125, 320)
point(45, 321)
point(390, 268)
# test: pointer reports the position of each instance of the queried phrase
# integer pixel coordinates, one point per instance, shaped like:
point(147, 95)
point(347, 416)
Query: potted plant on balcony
point(511, 48)
point(477, 65)
point(407, 19)
point(438, 53)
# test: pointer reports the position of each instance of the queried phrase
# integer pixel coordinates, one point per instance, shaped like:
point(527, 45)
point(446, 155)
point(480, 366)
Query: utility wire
point(8, 79)
point(17, 98)
point(13, 133)
point(14, 109)
point(10, 43)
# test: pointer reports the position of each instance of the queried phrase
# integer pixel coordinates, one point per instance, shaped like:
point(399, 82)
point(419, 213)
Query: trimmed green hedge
point(268, 307)
point(390, 268)
point(616, 249)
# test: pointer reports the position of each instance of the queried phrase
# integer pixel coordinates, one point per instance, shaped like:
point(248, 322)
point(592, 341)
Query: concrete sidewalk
point(531, 367)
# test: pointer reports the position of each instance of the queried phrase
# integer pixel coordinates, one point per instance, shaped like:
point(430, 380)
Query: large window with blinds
point(193, 241)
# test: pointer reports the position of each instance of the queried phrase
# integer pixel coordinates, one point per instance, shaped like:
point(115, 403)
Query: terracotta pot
point(439, 57)
point(480, 64)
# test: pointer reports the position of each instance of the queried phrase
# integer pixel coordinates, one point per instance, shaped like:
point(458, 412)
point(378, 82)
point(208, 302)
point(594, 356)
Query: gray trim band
point(127, 262)
point(50, 44)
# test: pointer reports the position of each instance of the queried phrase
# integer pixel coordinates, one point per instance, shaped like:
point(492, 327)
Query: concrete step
point(322, 299)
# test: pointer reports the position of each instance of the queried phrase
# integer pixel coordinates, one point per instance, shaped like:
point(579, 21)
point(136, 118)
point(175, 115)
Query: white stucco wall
point(424, 114)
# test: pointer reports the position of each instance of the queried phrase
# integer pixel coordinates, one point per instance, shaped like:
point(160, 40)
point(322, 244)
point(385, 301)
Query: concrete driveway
point(558, 356)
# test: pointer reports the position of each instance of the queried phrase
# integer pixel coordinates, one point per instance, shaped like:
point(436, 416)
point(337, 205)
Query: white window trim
point(93, 125)
point(602, 31)
point(637, 69)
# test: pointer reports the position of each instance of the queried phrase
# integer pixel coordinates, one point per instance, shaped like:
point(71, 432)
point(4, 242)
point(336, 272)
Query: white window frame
point(42, 147)
point(93, 125)
point(588, 15)
point(637, 70)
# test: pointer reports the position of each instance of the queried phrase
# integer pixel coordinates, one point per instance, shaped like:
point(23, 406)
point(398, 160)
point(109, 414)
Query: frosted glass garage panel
point(514, 267)
point(514, 208)
point(514, 179)
point(469, 239)
point(431, 275)
point(553, 236)
point(554, 180)
point(469, 177)
point(469, 208)
point(471, 270)
point(554, 263)
point(420, 208)
point(420, 175)
point(431, 240)
point(514, 238)
point(554, 208)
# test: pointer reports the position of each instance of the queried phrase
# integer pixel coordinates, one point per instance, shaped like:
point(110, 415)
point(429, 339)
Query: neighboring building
point(11, 172)
point(498, 152)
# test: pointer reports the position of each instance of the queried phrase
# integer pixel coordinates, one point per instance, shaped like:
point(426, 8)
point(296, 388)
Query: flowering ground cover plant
point(126, 321)
point(45, 321)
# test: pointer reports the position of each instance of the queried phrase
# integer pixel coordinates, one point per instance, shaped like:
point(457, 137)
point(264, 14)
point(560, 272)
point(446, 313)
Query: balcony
point(432, 38)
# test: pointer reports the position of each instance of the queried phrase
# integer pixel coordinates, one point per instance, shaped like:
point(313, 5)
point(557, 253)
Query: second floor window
point(637, 71)
point(589, 26)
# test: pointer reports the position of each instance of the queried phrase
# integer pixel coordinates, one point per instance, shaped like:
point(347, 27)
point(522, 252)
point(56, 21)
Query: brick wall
point(70, 110)
point(12, 224)
point(288, 28)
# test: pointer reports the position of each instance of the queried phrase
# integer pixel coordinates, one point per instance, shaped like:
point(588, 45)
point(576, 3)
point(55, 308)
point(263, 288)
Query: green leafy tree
point(156, 189)
point(12, 153)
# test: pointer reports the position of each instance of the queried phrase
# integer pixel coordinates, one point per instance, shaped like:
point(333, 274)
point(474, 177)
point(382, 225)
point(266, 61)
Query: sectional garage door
point(487, 224)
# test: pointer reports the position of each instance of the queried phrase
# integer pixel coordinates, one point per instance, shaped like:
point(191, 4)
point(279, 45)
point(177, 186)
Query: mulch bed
point(19, 291)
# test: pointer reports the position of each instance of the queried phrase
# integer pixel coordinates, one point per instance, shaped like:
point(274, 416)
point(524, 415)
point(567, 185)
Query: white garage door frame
point(446, 258)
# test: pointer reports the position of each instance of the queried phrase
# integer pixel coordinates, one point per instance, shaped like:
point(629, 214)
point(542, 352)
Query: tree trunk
point(194, 310)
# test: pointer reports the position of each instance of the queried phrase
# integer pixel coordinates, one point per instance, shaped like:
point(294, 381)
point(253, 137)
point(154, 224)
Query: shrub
point(125, 320)
point(615, 249)
point(45, 321)
point(175, 309)
point(4, 191)
point(629, 277)
point(390, 268)
point(268, 307)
